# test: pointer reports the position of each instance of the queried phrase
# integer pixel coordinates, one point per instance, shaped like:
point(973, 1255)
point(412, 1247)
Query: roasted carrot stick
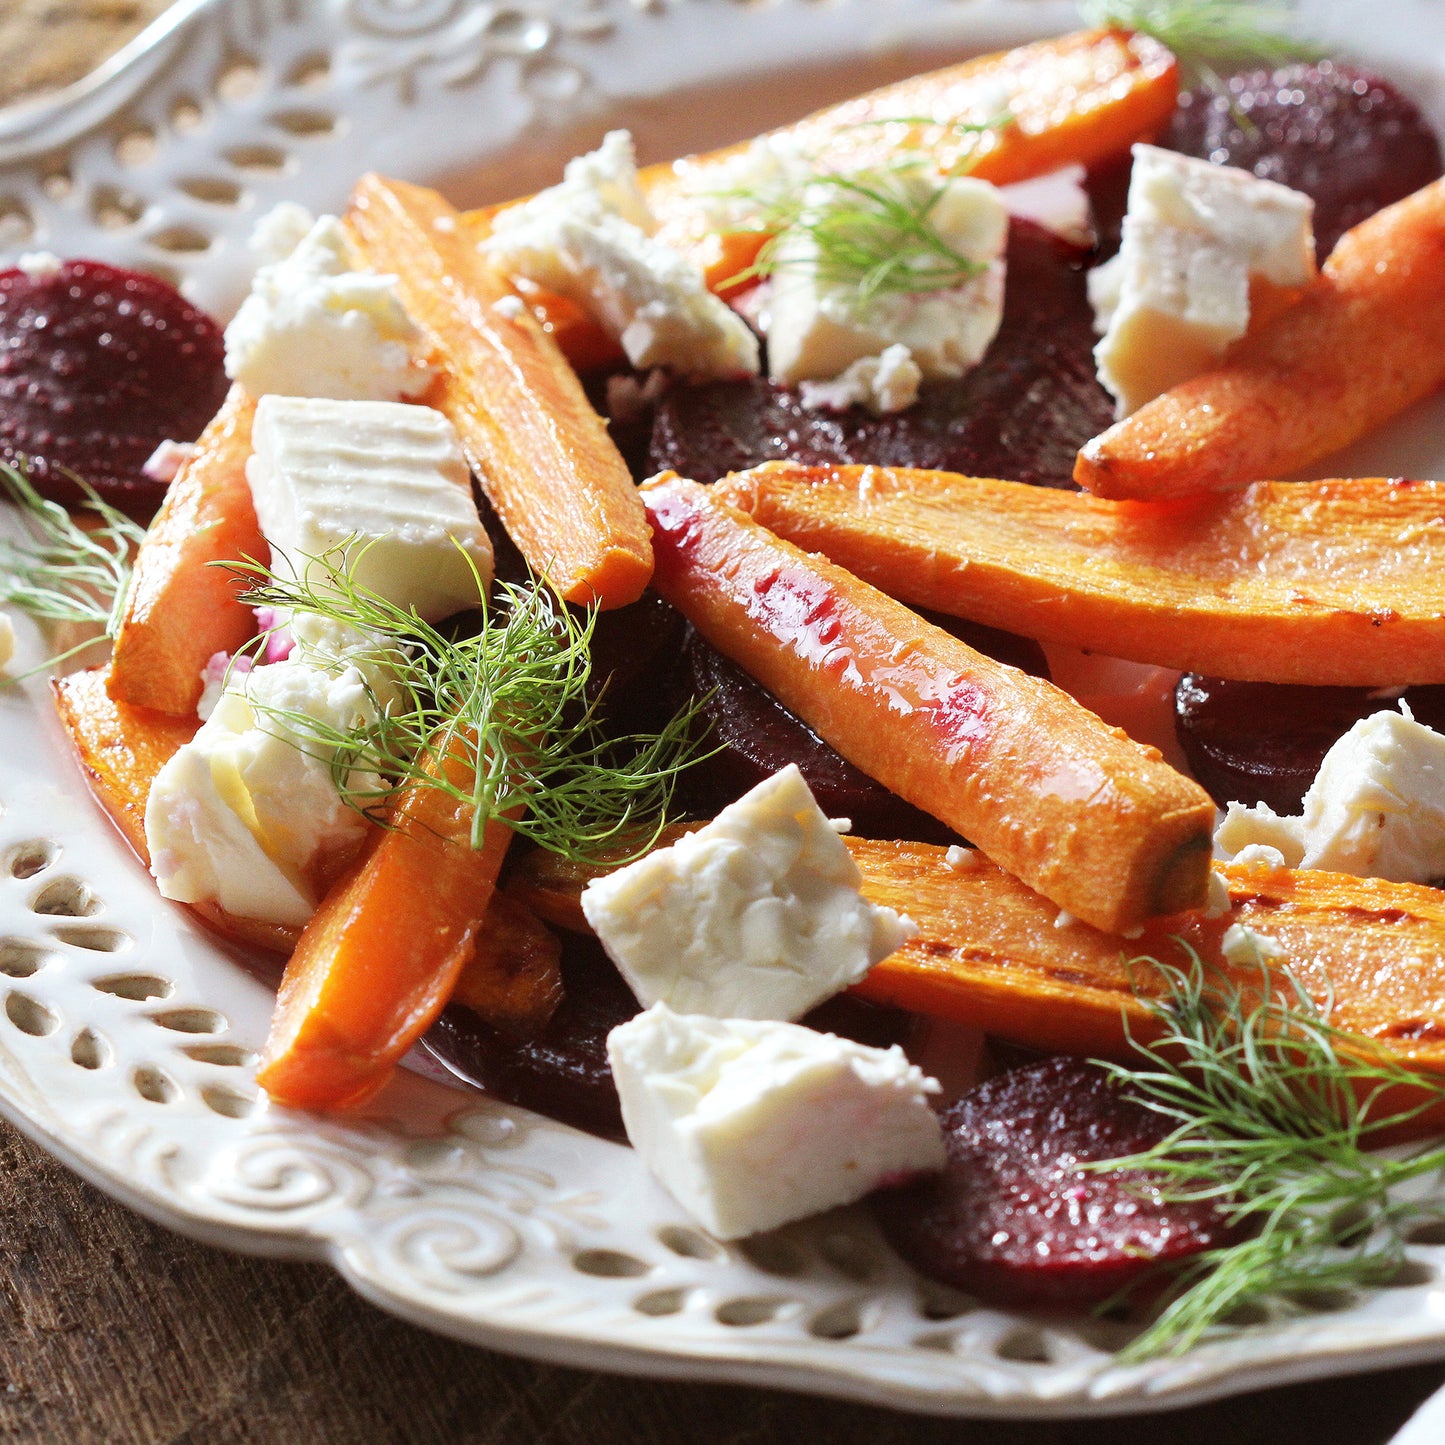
point(121, 748)
point(1096, 822)
point(513, 980)
point(381, 955)
point(181, 609)
point(1338, 582)
point(543, 455)
point(1364, 341)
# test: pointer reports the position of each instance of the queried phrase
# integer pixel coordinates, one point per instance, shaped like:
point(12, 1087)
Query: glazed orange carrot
point(542, 454)
point(181, 609)
point(513, 980)
point(121, 749)
point(1364, 341)
point(1330, 583)
point(1096, 822)
point(381, 955)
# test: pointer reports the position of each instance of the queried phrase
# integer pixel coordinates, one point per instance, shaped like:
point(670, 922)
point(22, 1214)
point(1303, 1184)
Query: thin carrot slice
point(121, 748)
point(380, 957)
point(1329, 583)
point(1096, 822)
point(182, 609)
point(542, 454)
point(1364, 341)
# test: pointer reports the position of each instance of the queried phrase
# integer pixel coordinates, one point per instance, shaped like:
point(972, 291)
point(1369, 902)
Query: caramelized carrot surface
point(1334, 583)
point(1364, 341)
point(1096, 822)
point(543, 456)
point(182, 609)
point(513, 980)
point(381, 955)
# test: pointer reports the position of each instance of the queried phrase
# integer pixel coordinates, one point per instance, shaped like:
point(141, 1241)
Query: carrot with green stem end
point(1094, 821)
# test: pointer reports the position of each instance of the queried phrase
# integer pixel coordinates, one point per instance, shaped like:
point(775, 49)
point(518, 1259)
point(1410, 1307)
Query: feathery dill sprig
point(61, 571)
point(507, 708)
point(1274, 1109)
point(1210, 37)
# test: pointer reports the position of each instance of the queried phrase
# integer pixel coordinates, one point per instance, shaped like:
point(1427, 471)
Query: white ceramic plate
point(126, 1034)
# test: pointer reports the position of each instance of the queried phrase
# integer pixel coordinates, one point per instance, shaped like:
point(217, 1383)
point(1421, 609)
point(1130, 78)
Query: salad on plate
point(746, 655)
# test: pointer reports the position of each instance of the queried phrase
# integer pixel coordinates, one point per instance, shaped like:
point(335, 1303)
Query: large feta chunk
point(589, 239)
point(750, 1124)
point(381, 483)
point(1178, 293)
point(313, 325)
point(756, 915)
point(819, 325)
point(1376, 807)
point(248, 812)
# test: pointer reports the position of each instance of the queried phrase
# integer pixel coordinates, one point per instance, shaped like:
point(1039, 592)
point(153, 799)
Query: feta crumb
point(40, 265)
point(1217, 905)
point(628, 400)
point(841, 826)
point(756, 915)
point(313, 326)
point(217, 672)
point(884, 383)
point(1259, 857)
point(279, 232)
point(1242, 944)
point(962, 860)
point(750, 1124)
point(1375, 809)
point(1056, 201)
point(510, 306)
point(164, 464)
point(590, 239)
point(1064, 919)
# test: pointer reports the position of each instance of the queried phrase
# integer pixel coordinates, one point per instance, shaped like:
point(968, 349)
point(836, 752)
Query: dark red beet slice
point(98, 366)
point(1022, 414)
point(1014, 1220)
point(1338, 133)
point(1263, 742)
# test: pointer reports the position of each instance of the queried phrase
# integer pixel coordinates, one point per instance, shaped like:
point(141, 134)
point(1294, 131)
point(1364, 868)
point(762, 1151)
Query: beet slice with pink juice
point(1015, 1220)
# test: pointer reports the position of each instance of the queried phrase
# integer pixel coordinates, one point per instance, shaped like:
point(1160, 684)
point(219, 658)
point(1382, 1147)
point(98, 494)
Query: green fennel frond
point(509, 705)
point(61, 571)
point(1274, 1111)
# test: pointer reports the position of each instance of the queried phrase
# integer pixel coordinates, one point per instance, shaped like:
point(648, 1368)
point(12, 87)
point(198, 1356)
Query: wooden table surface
point(112, 1330)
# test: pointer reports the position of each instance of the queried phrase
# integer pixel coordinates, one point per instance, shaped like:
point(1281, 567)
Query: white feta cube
point(315, 326)
point(751, 1124)
point(1375, 809)
point(819, 325)
point(882, 384)
point(1177, 294)
point(381, 483)
point(249, 811)
point(756, 915)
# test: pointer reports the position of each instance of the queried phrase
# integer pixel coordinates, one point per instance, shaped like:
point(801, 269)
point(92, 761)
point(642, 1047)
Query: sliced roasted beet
point(563, 1071)
point(1022, 414)
point(634, 653)
point(1263, 742)
point(1016, 1221)
point(1340, 134)
point(98, 366)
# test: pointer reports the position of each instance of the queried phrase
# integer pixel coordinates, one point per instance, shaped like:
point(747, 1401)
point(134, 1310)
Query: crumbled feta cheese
point(1056, 201)
point(509, 306)
point(1260, 857)
point(884, 383)
point(1177, 293)
point(1217, 905)
point(40, 265)
point(629, 400)
point(962, 860)
point(246, 812)
point(728, 195)
point(589, 239)
point(756, 915)
point(279, 232)
point(218, 671)
point(165, 463)
point(1064, 919)
point(314, 326)
point(385, 482)
point(1242, 945)
point(751, 1124)
point(820, 325)
point(1376, 807)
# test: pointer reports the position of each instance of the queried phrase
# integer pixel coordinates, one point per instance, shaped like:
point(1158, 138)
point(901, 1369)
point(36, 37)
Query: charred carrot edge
point(1363, 342)
point(121, 748)
point(380, 956)
point(1095, 821)
point(181, 610)
point(1352, 594)
point(543, 455)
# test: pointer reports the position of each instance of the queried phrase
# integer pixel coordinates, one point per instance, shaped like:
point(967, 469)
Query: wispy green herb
point(61, 570)
point(509, 704)
point(1274, 1111)
point(1210, 37)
